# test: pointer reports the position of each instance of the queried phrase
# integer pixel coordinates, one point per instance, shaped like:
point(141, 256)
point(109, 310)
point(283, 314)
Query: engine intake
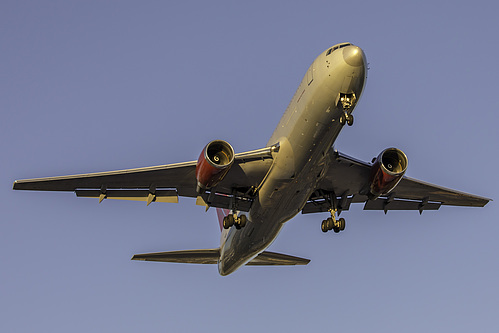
point(213, 164)
point(386, 172)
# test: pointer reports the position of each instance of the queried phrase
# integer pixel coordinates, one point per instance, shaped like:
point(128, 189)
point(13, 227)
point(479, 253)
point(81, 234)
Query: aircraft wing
point(347, 180)
point(163, 183)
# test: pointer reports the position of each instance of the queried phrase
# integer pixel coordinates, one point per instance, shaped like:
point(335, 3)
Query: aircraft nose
point(353, 55)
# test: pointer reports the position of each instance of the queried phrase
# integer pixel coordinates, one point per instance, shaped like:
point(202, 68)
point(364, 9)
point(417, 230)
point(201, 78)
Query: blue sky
point(95, 86)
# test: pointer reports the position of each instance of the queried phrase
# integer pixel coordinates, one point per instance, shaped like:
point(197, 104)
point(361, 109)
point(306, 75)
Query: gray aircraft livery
point(256, 192)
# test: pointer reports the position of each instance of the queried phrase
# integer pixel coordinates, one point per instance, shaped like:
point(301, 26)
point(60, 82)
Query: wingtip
point(21, 184)
point(15, 185)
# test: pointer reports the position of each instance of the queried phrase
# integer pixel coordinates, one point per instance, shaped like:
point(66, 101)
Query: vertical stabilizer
point(221, 213)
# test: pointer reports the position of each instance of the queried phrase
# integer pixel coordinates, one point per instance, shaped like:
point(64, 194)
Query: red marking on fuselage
point(221, 214)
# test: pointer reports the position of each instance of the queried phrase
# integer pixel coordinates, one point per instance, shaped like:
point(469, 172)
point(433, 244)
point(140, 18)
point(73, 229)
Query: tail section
point(210, 256)
point(221, 213)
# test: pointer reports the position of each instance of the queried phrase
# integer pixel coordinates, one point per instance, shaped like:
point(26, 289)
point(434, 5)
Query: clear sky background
point(101, 85)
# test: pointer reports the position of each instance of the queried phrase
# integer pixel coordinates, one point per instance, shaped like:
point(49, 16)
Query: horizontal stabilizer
point(271, 258)
point(210, 256)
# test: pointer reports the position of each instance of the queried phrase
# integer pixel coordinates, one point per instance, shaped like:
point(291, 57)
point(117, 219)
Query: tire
point(329, 224)
point(342, 119)
point(323, 226)
point(350, 120)
point(342, 224)
point(230, 220)
point(242, 220)
point(226, 223)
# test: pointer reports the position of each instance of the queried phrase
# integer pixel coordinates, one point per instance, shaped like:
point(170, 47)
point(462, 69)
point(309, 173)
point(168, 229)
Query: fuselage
point(305, 133)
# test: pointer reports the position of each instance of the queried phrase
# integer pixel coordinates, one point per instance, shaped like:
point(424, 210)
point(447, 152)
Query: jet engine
point(386, 172)
point(213, 164)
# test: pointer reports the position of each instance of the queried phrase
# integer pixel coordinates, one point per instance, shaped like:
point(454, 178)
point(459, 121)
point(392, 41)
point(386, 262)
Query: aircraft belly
point(242, 245)
point(266, 218)
point(305, 134)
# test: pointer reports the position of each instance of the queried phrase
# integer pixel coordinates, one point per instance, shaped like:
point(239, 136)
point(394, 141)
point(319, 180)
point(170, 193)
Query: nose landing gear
point(347, 102)
point(346, 118)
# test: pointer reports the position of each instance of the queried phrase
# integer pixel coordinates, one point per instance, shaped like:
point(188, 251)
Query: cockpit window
point(331, 50)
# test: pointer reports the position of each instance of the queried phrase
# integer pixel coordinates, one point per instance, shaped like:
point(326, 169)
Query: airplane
point(299, 170)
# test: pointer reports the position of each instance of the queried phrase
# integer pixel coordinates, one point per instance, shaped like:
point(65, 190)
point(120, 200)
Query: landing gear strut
point(233, 219)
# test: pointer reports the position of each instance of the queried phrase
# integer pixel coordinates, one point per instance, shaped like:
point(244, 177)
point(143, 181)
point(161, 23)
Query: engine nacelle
point(386, 172)
point(213, 164)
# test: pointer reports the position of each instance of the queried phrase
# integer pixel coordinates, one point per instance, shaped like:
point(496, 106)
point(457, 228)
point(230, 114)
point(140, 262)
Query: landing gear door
point(345, 102)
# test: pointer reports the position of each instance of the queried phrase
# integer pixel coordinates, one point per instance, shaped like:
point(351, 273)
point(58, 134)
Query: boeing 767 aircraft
point(256, 192)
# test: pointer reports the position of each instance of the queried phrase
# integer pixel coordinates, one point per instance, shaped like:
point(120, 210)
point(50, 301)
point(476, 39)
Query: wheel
point(329, 223)
point(226, 223)
point(324, 227)
point(341, 224)
point(350, 120)
point(242, 220)
point(342, 119)
point(336, 230)
point(230, 220)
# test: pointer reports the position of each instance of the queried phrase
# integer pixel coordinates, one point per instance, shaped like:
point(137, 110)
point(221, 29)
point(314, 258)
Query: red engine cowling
point(213, 164)
point(386, 172)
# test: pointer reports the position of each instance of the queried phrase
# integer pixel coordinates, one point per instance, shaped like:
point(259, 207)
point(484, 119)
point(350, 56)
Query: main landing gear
point(332, 223)
point(233, 219)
